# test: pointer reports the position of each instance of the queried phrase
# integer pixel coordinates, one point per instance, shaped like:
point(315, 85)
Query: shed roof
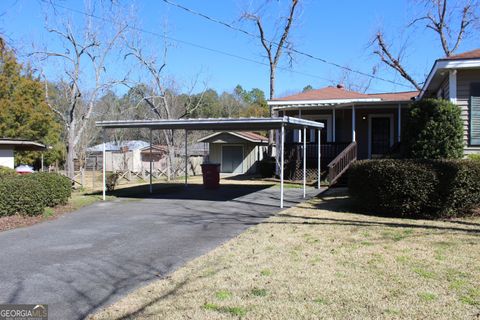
point(245, 135)
point(217, 124)
point(22, 145)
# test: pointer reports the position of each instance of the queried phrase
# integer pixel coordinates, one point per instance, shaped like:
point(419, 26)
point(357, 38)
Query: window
point(474, 133)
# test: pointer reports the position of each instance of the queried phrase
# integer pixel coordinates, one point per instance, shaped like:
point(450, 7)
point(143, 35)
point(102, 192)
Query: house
point(8, 147)
point(365, 126)
point(236, 152)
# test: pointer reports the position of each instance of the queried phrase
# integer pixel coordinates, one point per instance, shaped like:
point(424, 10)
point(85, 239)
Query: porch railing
point(328, 151)
point(342, 162)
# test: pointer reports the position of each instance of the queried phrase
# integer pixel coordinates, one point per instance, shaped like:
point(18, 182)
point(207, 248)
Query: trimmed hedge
point(416, 188)
point(20, 195)
point(56, 188)
point(30, 194)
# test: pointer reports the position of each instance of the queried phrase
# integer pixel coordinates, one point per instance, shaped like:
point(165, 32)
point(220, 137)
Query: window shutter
point(474, 121)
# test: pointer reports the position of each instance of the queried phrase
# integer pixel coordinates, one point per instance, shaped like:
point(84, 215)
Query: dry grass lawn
point(318, 261)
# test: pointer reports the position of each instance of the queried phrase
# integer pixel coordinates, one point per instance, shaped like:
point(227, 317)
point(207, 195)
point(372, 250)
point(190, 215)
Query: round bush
point(416, 188)
point(434, 130)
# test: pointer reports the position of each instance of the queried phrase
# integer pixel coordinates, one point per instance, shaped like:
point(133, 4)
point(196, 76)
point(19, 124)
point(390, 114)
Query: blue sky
point(339, 31)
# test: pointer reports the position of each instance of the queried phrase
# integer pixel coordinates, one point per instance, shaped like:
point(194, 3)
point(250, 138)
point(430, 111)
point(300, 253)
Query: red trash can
point(211, 175)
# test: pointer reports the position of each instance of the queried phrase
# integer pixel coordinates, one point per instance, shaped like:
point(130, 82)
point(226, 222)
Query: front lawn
point(319, 261)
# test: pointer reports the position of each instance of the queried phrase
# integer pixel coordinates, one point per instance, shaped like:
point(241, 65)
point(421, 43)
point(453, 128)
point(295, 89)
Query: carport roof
point(217, 124)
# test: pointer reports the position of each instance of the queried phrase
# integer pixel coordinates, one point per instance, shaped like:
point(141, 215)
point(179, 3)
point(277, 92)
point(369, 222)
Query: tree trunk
point(70, 168)
point(271, 133)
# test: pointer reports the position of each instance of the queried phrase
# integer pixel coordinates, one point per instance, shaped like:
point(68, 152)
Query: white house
point(8, 147)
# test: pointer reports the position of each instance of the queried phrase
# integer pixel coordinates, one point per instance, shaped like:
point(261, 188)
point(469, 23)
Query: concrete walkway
point(89, 258)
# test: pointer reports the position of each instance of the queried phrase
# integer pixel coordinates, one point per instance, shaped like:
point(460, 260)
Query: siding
point(251, 154)
point(464, 79)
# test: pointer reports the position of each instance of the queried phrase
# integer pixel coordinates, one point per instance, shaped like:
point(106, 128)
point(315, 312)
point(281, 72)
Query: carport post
point(319, 170)
point(186, 157)
point(304, 161)
point(151, 163)
point(282, 162)
point(104, 164)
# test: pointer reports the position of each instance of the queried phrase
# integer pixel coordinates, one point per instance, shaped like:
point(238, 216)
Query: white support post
point(334, 126)
point(150, 187)
point(354, 132)
point(186, 157)
point(319, 171)
point(104, 164)
point(399, 124)
point(282, 160)
point(304, 162)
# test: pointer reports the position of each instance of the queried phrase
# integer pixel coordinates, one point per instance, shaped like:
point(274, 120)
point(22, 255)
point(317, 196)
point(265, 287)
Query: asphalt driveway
point(89, 258)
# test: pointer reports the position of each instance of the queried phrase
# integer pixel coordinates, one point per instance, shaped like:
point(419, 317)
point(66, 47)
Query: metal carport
point(224, 124)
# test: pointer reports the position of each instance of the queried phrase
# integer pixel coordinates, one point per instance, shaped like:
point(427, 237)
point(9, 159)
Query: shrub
point(112, 181)
point(20, 195)
point(56, 188)
point(474, 157)
point(434, 130)
point(6, 172)
point(416, 188)
point(267, 167)
point(30, 194)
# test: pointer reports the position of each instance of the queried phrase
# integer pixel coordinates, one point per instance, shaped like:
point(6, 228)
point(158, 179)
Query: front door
point(232, 159)
point(380, 136)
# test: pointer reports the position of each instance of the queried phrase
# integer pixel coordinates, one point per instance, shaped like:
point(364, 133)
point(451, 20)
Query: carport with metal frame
point(224, 124)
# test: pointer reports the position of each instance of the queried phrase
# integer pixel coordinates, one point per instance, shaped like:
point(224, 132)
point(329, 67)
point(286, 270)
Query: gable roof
point(473, 54)
point(245, 135)
point(465, 60)
point(22, 144)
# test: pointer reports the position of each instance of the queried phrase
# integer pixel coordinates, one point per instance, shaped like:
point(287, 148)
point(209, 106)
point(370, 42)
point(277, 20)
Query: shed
point(119, 156)
point(237, 152)
point(9, 146)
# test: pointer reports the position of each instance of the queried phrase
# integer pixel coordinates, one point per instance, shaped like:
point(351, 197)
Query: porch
point(351, 132)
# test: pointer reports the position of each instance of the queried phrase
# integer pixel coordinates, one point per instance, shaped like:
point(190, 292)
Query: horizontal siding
point(464, 79)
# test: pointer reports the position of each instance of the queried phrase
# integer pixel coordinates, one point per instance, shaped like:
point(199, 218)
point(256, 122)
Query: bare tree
point(439, 18)
point(162, 98)
point(274, 48)
point(83, 52)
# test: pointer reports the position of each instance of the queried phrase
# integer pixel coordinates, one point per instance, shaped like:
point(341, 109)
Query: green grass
point(427, 296)
point(48, 212)
point(266, 272)
point(223, 294)
point(259, 292)
point(234, 311)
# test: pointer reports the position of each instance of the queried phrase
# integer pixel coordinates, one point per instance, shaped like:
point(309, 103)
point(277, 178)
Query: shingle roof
point(395, 96)
point(335, 93)
point(252, 136)
point(474, 54)
point(327, 93)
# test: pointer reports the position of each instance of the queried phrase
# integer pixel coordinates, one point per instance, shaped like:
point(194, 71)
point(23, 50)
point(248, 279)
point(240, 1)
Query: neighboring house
point(8, 147)
point(121, 156)
point(364, 126)
point(236, 152)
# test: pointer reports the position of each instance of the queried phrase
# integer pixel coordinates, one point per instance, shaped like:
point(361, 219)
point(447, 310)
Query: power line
point(308, 55)
point(188, 42)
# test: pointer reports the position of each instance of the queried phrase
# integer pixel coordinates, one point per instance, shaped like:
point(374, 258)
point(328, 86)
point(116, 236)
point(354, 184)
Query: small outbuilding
point(9, 146)
point(236, 152)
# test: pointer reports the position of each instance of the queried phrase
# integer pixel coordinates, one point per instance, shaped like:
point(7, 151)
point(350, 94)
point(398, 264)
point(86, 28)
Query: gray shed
point(237, 152)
